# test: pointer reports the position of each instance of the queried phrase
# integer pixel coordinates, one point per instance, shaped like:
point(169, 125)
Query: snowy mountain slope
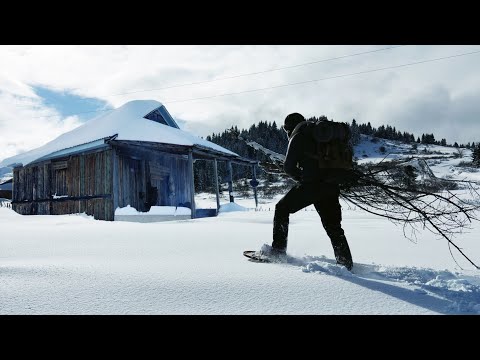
point(369, 150)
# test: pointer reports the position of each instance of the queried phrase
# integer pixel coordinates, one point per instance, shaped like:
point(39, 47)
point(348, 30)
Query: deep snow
point(73, 264)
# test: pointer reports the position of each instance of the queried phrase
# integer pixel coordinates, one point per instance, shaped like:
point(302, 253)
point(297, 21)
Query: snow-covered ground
point(73, 264)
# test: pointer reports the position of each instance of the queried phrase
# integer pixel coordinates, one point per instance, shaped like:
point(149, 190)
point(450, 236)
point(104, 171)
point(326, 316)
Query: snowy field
point(73, 264)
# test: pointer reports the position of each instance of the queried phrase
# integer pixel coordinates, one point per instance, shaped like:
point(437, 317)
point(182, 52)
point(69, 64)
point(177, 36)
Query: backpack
point(334, 149)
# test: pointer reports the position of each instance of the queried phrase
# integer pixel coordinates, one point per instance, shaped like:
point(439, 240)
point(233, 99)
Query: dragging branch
point(405, 192)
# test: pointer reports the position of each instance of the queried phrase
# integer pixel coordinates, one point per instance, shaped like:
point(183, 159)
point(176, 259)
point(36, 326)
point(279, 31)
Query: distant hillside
point(373, 149)
point(370, 144)
point(445, 163)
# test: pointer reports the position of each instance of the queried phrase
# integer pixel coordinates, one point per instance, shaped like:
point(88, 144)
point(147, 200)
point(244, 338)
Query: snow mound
point(231, 207)
point(7, 213)
point(154, 210)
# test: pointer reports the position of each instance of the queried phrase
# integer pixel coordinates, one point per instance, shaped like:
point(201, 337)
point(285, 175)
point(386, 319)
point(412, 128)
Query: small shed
point(133, 156)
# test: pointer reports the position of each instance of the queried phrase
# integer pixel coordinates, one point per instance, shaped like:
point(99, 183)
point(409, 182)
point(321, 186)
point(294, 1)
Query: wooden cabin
point(141, 159)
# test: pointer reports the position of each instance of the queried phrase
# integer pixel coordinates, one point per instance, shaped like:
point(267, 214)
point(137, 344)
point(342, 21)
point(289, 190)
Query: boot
point(280, 231)
point(272, 253)
point(342, 251)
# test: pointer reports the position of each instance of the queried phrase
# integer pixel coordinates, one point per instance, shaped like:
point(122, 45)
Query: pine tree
point(476, 156)
point(369, 129)
point(355, 131)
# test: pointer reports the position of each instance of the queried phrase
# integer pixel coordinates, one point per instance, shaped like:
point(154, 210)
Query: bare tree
point(459, 153)
point(405, 192)
point(429, 204)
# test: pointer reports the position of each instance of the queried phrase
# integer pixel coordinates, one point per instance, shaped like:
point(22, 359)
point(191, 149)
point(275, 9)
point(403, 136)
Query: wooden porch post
point(192, 197)
point(230, 180)
point(115, 181)
point(216, 183)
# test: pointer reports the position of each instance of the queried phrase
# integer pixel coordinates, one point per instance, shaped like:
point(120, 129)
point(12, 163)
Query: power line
point(301, 82)
point(257, 72)
point(83, 112)
point(327, 78)
point(246, 74)
point(232, 77)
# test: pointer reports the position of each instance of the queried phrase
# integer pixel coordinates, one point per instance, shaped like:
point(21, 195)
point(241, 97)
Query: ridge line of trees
point(391, 133)
point(271, 136)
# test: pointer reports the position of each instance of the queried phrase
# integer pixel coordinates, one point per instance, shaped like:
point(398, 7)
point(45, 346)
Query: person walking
point(312, 187)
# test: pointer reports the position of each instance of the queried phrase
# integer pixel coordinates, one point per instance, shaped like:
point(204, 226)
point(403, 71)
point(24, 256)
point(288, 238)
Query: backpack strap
point(298, 128)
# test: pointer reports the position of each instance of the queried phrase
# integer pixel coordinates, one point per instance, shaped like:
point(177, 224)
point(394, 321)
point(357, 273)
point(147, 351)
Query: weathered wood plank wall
point(97, 183)
point(83, 183)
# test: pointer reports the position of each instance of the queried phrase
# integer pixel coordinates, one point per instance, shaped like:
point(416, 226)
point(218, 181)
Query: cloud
point(436, 111)
point(22, 126)
point(436, 97)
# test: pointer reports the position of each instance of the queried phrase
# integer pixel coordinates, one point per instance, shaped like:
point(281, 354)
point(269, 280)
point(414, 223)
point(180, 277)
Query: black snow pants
point(325, 198)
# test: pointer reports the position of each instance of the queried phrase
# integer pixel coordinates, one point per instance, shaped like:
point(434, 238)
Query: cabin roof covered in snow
point(128, 122)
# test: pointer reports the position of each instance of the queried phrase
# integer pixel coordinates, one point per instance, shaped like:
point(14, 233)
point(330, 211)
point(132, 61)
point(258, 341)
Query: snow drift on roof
point(128, 122)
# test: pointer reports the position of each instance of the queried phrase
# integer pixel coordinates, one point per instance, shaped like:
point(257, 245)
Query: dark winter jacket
point(298, 164)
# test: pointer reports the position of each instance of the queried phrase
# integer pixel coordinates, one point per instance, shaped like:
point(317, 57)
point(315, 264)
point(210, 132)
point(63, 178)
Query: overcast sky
point(48, 90)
